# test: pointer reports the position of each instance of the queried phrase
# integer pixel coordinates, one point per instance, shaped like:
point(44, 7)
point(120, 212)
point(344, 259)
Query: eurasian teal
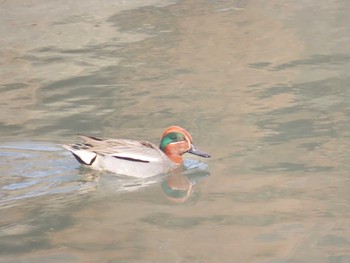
point(135, 158)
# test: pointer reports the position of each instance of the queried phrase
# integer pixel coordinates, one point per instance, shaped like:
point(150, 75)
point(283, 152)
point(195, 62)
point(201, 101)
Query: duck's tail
point(83, 156)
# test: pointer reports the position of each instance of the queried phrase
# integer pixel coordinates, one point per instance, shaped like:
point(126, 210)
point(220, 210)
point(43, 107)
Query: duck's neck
point(174, 156)
point(177, 159)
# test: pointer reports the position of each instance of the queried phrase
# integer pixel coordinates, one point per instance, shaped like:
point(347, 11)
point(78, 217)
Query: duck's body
point(135, 158)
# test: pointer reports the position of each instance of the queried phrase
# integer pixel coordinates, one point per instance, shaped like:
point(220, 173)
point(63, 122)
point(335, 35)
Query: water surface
point(262, 86)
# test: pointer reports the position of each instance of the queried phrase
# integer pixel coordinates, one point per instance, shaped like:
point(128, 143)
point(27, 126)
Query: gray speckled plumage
point(121, 156)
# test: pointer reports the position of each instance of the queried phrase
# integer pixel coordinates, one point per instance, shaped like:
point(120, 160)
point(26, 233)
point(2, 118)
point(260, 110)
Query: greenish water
point(262, 86)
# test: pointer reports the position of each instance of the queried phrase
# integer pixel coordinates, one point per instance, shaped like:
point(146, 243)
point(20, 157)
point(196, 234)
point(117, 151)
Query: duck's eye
point(176, 137)
point(181, 137)
point(172, 137)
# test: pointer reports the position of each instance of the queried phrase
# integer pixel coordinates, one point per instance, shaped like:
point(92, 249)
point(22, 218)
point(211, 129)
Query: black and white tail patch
point(84, 157)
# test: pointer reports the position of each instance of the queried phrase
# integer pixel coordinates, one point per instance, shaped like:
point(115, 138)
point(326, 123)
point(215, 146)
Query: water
point(262, 86)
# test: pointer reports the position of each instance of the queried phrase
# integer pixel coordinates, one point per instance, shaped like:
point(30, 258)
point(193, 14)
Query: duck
point(140, 159)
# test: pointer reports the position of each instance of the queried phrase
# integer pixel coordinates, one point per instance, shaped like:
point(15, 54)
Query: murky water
point(263, 86)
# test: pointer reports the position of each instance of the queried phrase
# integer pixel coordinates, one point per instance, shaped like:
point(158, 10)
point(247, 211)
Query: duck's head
point(176, 141)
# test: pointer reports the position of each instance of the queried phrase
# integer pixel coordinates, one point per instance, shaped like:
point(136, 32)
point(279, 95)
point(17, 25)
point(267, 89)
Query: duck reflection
point(179, 187)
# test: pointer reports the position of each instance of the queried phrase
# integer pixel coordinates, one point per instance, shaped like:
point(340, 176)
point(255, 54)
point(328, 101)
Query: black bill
point(195, 151)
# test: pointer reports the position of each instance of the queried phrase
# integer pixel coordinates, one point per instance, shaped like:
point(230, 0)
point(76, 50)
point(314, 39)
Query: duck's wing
point(136, 151)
